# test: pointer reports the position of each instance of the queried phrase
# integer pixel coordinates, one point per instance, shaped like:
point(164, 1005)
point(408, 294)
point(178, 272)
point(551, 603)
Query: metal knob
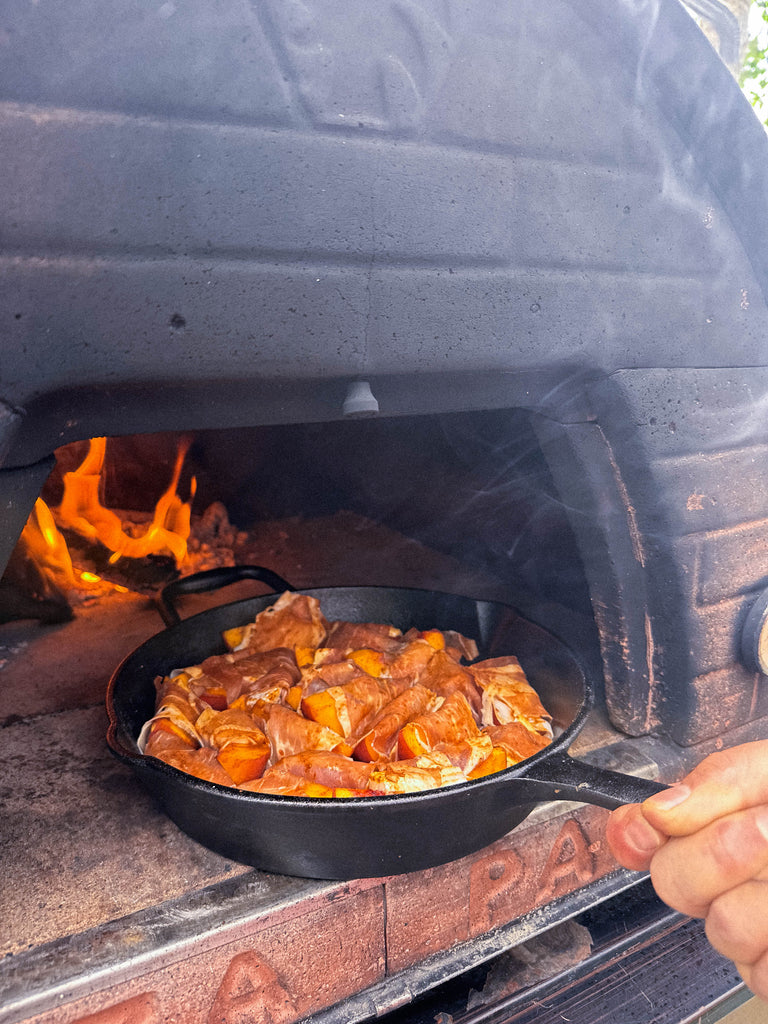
point(754, 636)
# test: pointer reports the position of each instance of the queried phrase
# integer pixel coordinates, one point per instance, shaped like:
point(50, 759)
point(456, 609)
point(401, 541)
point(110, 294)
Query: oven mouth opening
point(474, 488)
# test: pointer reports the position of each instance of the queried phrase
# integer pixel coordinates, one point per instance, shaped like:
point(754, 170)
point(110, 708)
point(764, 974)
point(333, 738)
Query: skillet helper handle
point(117, 744)
point(562, 777)
point(213, 579)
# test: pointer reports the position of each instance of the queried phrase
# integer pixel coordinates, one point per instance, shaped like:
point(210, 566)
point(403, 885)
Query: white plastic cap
point(360, 400)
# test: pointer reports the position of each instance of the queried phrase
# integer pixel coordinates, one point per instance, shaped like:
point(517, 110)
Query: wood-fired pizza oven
point(477, 280)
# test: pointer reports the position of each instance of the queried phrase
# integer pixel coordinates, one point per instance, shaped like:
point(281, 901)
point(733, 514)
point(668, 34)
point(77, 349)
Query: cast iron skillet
point(366, 836)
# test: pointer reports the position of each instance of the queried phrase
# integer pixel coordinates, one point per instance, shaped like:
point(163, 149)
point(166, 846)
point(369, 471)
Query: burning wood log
point(146, 575)
point(28, 592)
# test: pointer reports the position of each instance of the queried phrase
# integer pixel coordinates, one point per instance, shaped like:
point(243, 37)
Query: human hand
point(705, 842)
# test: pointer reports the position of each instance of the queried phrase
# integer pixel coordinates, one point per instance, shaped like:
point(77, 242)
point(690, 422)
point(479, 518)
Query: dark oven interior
point(463, 297)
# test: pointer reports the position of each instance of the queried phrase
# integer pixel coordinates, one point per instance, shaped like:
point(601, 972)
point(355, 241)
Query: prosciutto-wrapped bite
point(324, 673)
point(516, 740)
point(509, 697)
point(454, 644)
point(290, 733)
point(225, 677)
point(258, 705)
point(216, 728)
point(287, 785)
point(325, 767)
point(351, 636)
point(469, 753)
point(264, 669)
point(410, 659)
point(294, 620)
point(497, 761)
point(445, 676)
point(202, 763)
point(452, 722)
point(167, 730)
point(429, 771)
point(459, 646)
point(294, 785)
point(242, 748)
point(172, 727)
point(216, 682)
point(334, 666)
point(378, 744)
point(350, 709)
point(176, 691)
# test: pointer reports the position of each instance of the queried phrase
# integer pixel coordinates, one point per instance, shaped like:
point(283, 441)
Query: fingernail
point(761, 821)
point(642, 836)
point(669, 798)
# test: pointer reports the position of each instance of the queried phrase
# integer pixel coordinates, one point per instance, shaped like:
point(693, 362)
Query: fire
point(44, 543)
point(82, 511)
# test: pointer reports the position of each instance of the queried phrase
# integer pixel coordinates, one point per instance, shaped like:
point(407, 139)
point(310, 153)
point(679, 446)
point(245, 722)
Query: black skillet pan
point(367, 836)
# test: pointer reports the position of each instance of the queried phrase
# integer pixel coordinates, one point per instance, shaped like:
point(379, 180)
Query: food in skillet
point(305, 707)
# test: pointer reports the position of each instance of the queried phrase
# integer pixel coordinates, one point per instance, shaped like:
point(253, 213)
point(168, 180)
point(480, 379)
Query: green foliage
point(753, 78)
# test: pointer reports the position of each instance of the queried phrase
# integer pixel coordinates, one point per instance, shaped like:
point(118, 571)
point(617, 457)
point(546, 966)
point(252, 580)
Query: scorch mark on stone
point(650, 648)
point(634, 532)
point(695, 502)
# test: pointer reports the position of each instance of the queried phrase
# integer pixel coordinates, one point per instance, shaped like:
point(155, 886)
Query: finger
point(737, 922)
point(722, 784)
point(756, 976)
point(690, 872)
point(633, 841)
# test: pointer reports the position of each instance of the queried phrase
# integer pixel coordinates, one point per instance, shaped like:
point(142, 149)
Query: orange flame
point(47, 546)
point(81, 510)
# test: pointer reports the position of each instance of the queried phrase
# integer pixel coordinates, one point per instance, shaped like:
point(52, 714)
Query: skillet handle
point(213, 579)
point(562, 777)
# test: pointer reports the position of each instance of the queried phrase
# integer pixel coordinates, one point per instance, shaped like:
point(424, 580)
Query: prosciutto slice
point(445, 676)
point(294, 620)
point(324, 672)
point(429, 771)
point(290, 733)
point(242, 748)
point(351, 636)
point(460, 646)
point(517, 740)
point(216, 728)
point(288, 785)
point(378, 744)
point(467, 754)
point(202, 763)
point(176, 692)
point(410, 660)
point(452, 722)
point(172, 727)
point(322, 766)
point(350, 709)
point(509, 697)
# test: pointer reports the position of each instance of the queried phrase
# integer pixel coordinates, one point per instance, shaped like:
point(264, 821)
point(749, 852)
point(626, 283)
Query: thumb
point(729, 781)
point(633, 841)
